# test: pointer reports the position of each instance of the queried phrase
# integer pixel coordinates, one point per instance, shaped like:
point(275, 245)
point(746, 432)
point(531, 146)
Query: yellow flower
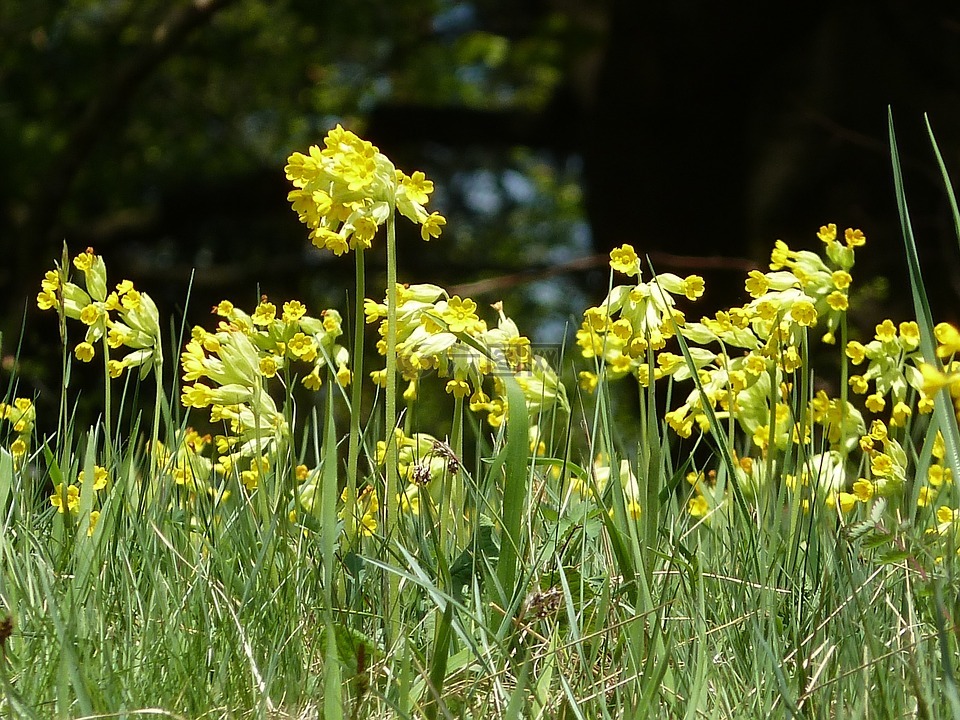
point(859, 384)
point(460, 315)
point(224, 308)
point(949, 338)
point(84, 352)
point(693, 287)
point(303, 347)
point(934, 380)
point(881, 465)
point(91, 314)
point(828, 233)
point(698, 506)
point(937, 475)
point(863, 489)
point(364, 230)
point(131, 300)
point(100, 477)
point(431, 226)
point(886, 331)
point(313, 381)
point(846, 501)
point(258, 468)
point(856, 352)
point(910, 335)
point(265, 313)
point(197, 395)
point(624, 260)
point(838, 301)
point(875, 403)
point(64, 500)
point(293, 311)
point(946, 515)
point(841, 279)
point(269, 365)
point(367, 507)
point(757, 284)
point(926, 496)
point(854, 238)
point(804, 313)
point(458, 388)
point(901, 411)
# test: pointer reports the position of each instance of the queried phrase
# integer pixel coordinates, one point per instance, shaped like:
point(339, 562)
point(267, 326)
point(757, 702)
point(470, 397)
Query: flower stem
point(353, 451)
point(107, 405)
point(391, 489)
point(158, 400)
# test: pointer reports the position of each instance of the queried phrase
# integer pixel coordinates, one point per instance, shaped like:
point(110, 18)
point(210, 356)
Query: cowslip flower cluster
point(423, 462)
point(346, 190)
point(593, 486)
point(308, 497)
point(436, 332)
point(891, 360)
point(632, 319)
point(933, 379)
point(186, 460)
point(747, 363)
point(230, 370)
point(125, 317)
point(66, 496)
point(753, 386)
point(21, 415)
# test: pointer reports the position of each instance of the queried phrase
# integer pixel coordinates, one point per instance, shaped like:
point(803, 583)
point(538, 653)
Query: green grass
point(524, 588)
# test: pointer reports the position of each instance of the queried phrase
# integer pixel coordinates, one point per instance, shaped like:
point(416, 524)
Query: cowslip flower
point(346, 190)
point(127, 317)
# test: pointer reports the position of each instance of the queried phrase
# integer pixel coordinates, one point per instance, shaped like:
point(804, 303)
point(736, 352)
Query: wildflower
point(366, 509)
point(293, 311)
point(64, 499)
point(344, 192)
point(926, 496)
point(431, 226)
point(948, 338)
point(84, 352)
point(265, 313)
point(863, 489)
point(458, 388)
point(18, 448)
point(460, 315)
point(854, 238)
point(698, 506)
point(100, 477)
point(94, 520)
point(846, 501)
point(624, 260)
point(875, 403)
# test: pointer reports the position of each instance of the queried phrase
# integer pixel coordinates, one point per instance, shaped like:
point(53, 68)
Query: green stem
point(158, 400)
point(107, 409)
point(353, 451)
point(391, 489)
point(844, 383)
point(458, 492)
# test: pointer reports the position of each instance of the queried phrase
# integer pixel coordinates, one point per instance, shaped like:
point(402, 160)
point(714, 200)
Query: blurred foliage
point(156, 132)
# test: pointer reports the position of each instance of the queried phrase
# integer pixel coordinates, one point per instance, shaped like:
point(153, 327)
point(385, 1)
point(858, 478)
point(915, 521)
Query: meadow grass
point(746, 546)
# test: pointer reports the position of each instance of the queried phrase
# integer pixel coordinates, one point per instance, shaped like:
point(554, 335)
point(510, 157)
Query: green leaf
point(515, 469)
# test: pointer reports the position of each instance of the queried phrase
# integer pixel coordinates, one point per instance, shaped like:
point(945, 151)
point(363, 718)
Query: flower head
point(345, 191)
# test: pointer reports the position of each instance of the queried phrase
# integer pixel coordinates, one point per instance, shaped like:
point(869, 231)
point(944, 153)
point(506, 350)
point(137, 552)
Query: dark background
point(700, 132)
